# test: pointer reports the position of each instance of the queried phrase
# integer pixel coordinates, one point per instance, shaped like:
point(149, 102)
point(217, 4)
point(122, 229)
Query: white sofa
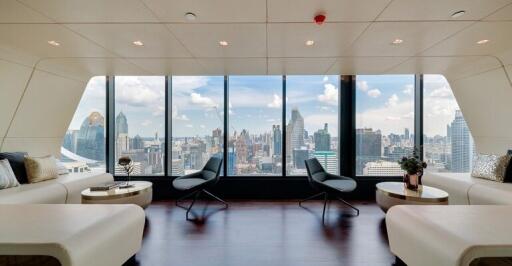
point(64, 189)
point(466, 190)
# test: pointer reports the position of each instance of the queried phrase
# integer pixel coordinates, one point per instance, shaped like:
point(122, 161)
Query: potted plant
point(413, 167)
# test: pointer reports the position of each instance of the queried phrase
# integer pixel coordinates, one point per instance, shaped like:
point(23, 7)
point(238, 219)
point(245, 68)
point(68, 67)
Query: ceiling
point(265, 36)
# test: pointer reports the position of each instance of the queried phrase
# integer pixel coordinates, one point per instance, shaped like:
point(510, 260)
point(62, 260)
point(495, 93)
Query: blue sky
point(383, 102)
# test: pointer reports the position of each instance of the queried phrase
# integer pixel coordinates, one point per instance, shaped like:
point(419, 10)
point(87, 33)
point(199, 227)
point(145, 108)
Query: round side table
point(140, 194)
point(389, 194)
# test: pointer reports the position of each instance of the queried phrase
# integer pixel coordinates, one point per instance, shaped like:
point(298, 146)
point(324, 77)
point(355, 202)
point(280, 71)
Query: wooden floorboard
point(268, 233)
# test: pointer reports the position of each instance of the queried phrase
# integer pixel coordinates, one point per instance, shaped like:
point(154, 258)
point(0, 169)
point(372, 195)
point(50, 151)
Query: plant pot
point(412, 182)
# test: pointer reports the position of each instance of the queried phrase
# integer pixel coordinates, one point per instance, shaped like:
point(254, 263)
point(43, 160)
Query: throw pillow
point(7, 177)
point(491, 167)
point(17, 162)
point(41, 168)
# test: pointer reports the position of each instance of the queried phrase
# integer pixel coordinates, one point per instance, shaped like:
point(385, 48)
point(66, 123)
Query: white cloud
point(441, 92)
point(187, 84)
point(146, 123)
point(202, 126)
point(393, 118)
point(189, 125)
point(276, 102)
point(392, 101)
point(374, 93)
point(362, 85)
point(196, 98)
point(316, 121)
point(271, 120)
point(138, 92)
point(326, 78)
point(408, 89)
point(330, 95)
point(177, 116)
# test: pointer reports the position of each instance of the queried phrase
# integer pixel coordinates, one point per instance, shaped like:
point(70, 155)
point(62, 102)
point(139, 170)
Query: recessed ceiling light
point(138, 43)
point(223, 43)
point(54, 43)
point(482, 41)
point(397, 41)
point(190, 16)
point(458, 14)
point(310, 42)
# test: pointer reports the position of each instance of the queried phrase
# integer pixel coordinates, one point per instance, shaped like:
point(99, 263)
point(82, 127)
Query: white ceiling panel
point(33, 38)
point(209, 11)
point(12, 11)
point(169, 66)
point(119, 38)
point(335, 10)
point(299, 66)
point(417, 36)
point(416, 10)
point(502, 14)
point(202, 40)
point(465, 42)
point(509, 70)
point(364, 65)
point(85, 68)
point(331, 39)
point(452, 67)
point(234, 66)
point(68, 11)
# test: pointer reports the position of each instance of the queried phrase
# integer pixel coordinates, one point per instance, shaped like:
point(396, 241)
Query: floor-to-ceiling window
point(83, 146)
point(140, 123)
point(312, 121)
point(447, 142)
point(197, 122)
point(255, 120)
point(384, 123)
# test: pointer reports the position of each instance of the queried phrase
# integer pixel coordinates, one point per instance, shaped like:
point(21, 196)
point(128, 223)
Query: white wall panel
point(485, 102)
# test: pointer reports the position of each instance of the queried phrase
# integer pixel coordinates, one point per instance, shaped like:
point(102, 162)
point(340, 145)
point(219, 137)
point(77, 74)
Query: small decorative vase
point(412, 182)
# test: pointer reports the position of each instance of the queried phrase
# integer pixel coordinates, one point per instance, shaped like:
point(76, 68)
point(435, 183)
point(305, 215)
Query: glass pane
point(255, 119)
point(140, 123)
point(83, 147)
point(312, 122)
point(384, 123)
point(197, 122)
point(447, 142)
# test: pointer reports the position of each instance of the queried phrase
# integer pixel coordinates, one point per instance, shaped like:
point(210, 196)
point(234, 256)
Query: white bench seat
point(100, 235)
point(449, 235)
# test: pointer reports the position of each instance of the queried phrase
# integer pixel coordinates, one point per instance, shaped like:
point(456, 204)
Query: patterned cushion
point(7, 177)
point(41, 168)
point(491, 167)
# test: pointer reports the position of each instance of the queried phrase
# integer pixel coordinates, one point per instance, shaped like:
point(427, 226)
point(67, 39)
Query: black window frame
point(346, 129)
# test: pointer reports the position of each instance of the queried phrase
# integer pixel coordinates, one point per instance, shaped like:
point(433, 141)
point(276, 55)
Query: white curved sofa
point(64, 189)
point(466, 190)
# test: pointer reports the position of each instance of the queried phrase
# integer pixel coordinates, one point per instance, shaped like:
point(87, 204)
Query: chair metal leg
point(348, 204)
point(184, 197)
point(216, 198)
point(310, 198)
point(192, 204)
point(325, 205)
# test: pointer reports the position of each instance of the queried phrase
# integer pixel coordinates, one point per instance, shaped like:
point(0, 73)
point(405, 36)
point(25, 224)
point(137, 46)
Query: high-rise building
point(328, 160)
point(295, 132)
point(277, 140)
point(382, 168)
point(90, 140)
point(406, 134)
point(368, 147)
point(121, 124)
point(231, 161)
point(137, 143)
point(460, 144)
point(322, 139)
point(299, 157)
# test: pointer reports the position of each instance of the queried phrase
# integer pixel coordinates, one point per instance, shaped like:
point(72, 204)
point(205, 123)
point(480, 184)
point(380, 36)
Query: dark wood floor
point(268, 233)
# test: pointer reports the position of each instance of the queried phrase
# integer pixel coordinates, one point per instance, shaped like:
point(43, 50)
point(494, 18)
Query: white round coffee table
point(140, 194)
point(389, 194)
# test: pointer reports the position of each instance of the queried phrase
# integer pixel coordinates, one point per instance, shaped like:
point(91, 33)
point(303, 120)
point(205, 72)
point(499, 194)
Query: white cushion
point(75, 234)
point(75, 183)
point(47, 192)
point(486, 192)
point(448, 235)
point(456, 184)
point(7, 177)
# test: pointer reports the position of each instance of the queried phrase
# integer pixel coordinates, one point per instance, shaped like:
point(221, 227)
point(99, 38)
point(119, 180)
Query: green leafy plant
point(412, 164)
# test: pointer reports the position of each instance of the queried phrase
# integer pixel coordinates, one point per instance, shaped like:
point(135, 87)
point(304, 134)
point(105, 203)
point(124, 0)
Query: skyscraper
point(406, 134)
point(460, 144)
point(121, 124)
point(277, 140)
point(295, 132)
point(91, 137)
point(368, 147)
point(323, 139)
point(328, 160)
